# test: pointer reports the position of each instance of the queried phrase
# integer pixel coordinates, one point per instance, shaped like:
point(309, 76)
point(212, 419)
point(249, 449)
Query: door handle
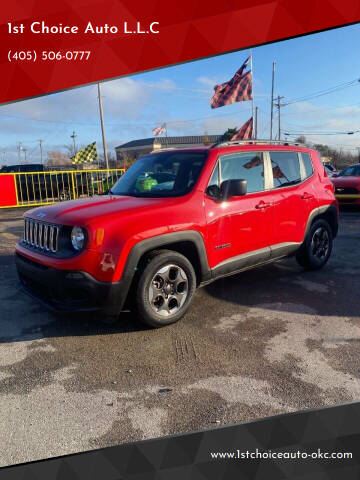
point(306, 196)
point(262, 205)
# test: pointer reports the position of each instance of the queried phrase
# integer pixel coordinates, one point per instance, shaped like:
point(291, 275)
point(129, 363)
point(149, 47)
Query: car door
point(240, 228)
point(294, 199)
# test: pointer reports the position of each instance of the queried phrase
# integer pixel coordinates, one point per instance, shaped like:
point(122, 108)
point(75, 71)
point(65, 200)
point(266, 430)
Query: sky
point(180, 96)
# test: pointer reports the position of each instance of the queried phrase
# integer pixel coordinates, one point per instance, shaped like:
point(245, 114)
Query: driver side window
point(247, 165)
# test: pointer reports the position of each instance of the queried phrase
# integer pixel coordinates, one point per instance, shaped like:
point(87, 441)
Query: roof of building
point(167, 141)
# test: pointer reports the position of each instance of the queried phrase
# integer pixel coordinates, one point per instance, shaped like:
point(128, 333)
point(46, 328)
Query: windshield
point(353, 171)
point(169, 174)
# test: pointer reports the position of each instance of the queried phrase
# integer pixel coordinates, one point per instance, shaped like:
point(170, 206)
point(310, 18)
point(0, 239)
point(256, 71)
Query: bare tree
point(57, 159)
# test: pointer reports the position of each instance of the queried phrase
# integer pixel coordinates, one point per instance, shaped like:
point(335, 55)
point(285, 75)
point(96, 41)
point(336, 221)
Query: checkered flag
point(245, 132)
point(238, 89)
point(85, 155)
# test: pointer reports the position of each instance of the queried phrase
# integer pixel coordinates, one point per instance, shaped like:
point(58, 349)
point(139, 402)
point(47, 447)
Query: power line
point(320, 93)
point(322, 133)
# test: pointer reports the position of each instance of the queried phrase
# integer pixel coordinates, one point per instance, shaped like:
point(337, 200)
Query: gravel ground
point(268, 341)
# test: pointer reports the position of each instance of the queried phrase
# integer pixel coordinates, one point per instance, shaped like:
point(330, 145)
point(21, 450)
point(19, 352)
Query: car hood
point(346, 181)
point(85, 210)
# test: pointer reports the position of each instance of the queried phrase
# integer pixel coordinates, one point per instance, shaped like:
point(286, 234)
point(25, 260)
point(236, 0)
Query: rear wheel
point(165, 289)
point(317, 247)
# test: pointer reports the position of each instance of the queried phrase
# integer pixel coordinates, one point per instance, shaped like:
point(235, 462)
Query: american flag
point(159, 130)
point(238, 89)
point(245, 132)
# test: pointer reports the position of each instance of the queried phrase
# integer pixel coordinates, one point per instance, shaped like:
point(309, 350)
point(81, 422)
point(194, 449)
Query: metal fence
point(46, 187)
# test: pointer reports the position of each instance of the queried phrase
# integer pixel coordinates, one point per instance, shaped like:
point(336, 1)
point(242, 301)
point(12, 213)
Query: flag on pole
point(238, 89)
point(245, 132)
point(85, 155)
point(159, 130)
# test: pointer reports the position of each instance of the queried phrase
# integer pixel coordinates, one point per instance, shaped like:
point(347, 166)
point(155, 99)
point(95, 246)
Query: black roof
point(166, 141)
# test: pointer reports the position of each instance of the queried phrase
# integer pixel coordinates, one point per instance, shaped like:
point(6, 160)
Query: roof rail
point(189, 147)
point(157, 150)
point(254, 142)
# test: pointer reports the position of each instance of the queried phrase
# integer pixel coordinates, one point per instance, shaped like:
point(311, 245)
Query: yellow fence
point(42, 188)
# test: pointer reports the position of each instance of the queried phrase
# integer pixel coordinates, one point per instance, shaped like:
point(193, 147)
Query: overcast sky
point(180, 96)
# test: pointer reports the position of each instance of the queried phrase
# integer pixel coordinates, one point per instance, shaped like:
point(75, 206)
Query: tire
point(165, 288)
point(317, 246)
point(109, 319)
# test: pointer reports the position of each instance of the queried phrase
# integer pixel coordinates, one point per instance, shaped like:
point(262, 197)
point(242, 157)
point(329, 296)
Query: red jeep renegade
point(176, 220)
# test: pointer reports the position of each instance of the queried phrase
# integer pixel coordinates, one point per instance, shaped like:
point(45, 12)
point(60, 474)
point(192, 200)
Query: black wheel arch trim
point(164, 240)
point(319, 212)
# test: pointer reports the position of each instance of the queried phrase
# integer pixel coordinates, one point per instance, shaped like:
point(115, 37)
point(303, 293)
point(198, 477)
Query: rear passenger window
point(248, 166)
point(309, 170)
point(285, 168)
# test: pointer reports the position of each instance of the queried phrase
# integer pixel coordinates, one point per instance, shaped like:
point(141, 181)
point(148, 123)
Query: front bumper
point(69, 291)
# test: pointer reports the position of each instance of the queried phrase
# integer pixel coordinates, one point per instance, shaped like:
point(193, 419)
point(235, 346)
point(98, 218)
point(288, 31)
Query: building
point(137, 148)
point(325, 159)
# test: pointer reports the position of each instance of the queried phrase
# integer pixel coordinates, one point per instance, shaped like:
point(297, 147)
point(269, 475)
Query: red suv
point(176, 220)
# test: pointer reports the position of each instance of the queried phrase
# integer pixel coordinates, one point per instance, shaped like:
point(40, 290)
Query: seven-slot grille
point(41, 235)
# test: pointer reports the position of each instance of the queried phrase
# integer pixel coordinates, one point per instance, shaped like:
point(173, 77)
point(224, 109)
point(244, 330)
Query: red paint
point(240, 221)
point(7, 190)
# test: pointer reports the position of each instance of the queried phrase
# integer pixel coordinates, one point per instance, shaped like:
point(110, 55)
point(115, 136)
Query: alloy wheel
point(168, 290)
point(320, 243)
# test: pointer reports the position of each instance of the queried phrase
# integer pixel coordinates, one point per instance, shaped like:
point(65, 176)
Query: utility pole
point(4, 157)
point(102, 127)
point(272, 102)
point(41, 151)
point(25, 150)
point(73, 136)
point(256, 122)
point(358, 149)
point(278, 104)
point(19, 148)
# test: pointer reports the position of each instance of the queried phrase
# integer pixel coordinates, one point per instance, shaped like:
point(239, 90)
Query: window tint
point(248, 166)
point(286, 168)
point(307, 164)
point(167, 174)
point(351, 171)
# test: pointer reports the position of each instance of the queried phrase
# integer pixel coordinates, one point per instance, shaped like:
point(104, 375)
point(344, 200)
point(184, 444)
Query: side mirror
point(213, 191)
point(233, 188)
point(335, 175)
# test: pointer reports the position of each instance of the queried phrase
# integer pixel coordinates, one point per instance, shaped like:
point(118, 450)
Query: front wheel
point(317, 246)
point(166, 288)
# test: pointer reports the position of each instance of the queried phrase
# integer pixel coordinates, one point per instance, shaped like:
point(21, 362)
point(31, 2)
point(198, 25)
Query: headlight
point(78, 238)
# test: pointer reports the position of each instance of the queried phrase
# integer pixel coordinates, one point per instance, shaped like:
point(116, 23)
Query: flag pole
point(252, 87)
point(272, 102)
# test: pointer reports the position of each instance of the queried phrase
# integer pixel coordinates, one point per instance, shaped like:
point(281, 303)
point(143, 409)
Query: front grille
point(41, 235)
point(346, 190)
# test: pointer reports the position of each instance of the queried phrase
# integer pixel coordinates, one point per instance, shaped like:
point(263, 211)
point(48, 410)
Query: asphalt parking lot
point(268, 341)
